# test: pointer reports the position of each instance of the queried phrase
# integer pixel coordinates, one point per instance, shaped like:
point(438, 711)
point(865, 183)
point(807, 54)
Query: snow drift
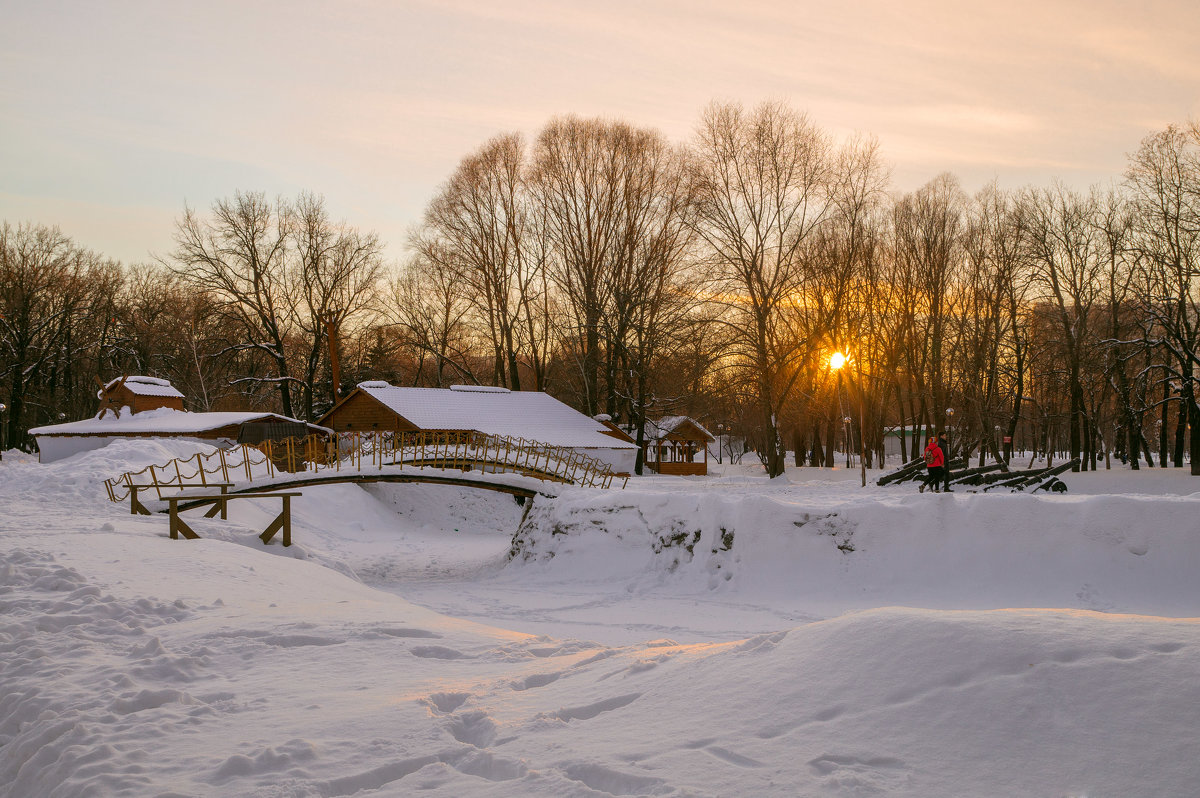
point(1112, 553)
point(131, 664)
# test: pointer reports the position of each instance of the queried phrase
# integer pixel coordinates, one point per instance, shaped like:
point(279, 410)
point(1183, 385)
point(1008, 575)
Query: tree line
point(634, 276)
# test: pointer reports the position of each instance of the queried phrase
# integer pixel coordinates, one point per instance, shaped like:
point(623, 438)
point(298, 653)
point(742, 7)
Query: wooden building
point(138, 394)
point(145, 407)
point(673, 443)
point(532, 415)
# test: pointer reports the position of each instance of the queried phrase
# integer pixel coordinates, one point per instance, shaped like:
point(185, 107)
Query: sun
point(837, 360)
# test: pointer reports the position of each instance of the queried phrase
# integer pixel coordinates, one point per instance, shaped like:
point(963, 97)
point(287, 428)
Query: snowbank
point(1120, 553)
point(134, 664)
point(109, 691)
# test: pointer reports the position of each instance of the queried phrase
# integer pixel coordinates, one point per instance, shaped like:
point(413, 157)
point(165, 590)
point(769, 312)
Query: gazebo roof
point(677, 428)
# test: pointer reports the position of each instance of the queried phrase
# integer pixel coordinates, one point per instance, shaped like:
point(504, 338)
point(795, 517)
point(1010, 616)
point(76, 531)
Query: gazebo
point(671, 445)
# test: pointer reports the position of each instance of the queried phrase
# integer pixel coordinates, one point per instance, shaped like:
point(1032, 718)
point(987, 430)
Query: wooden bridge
point(516, 466)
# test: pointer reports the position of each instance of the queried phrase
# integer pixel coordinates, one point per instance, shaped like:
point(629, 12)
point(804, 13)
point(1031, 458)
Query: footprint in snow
point(446, 703)
point(732, 757)
point(613, 782)
point(871, 774)
point(590, 711)
point(537, 680)
point(406, 632)
point(438, 652)
point(473, 728)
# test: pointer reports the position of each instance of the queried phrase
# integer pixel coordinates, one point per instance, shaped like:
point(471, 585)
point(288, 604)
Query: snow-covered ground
point(726, 636)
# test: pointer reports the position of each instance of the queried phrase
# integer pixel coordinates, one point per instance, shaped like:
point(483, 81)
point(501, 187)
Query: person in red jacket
point(935, 461)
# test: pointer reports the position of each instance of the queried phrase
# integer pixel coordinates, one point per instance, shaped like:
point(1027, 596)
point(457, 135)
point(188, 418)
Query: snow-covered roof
point(164, 420)
point(668, 424)
point(146, 386)
point(532, 415)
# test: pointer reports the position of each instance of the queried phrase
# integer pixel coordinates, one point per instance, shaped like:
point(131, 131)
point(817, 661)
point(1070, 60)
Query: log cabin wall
point(118, 397)
point(361, 413)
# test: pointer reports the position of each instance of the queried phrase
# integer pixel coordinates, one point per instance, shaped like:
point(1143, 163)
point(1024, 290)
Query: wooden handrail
point(450, 449)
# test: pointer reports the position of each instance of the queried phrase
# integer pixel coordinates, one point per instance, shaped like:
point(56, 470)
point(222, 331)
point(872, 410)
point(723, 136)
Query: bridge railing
point(363, 452)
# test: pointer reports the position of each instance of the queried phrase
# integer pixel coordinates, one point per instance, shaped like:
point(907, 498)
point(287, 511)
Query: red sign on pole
point(1008, 439)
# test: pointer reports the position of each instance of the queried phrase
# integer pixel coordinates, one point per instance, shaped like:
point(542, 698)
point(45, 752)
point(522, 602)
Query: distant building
point(673, 443)
point(138, 394)
point(532, 415)
point(897, 441)
point(146, 407)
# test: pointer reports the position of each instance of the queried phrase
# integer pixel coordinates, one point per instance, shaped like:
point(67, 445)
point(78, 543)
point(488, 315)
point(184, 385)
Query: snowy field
point(725, 636)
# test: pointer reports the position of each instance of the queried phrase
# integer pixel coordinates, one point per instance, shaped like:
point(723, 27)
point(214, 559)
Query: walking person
point(944, 445)
point(934, 461)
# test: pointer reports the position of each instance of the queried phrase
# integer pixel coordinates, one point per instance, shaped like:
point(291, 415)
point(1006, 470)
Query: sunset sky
point(114, 114)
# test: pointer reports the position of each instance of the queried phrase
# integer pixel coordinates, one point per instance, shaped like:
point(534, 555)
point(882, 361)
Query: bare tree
point(1063, 247)
point(429, 305)
point(239, 257)
point(649, 301)
point(846, 254)
point(928, 230)
point(1164, 177)
point(56, 310)
point(477, 225)
point(993, 348)
point(336, 278)
point(577, 171)
point(763, 183)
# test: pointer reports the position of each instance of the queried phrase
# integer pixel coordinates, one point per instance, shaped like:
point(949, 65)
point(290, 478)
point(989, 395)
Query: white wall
point(58, 447)
point(621, 460)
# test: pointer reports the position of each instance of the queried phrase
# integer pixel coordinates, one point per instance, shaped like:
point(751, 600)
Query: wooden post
point(135, 506)
point(287, 520)
point(177, 525)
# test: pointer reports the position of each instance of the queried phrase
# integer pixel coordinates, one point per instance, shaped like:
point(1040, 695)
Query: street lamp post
point(720, 445)
point(849, 439)
point(949, 434)
point(3, 409)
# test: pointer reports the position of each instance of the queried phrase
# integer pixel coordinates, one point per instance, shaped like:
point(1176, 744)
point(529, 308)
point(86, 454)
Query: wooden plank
point(272, 528)
point(220, 506)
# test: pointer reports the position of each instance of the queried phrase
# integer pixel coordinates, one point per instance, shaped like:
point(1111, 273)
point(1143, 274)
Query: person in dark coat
point(935, 462)
point(944, 445)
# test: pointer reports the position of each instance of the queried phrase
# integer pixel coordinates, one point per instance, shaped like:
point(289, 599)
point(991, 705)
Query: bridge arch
point(519, 467)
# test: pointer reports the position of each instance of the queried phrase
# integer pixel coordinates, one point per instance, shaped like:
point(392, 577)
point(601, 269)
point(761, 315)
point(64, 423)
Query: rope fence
point(359, 452)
